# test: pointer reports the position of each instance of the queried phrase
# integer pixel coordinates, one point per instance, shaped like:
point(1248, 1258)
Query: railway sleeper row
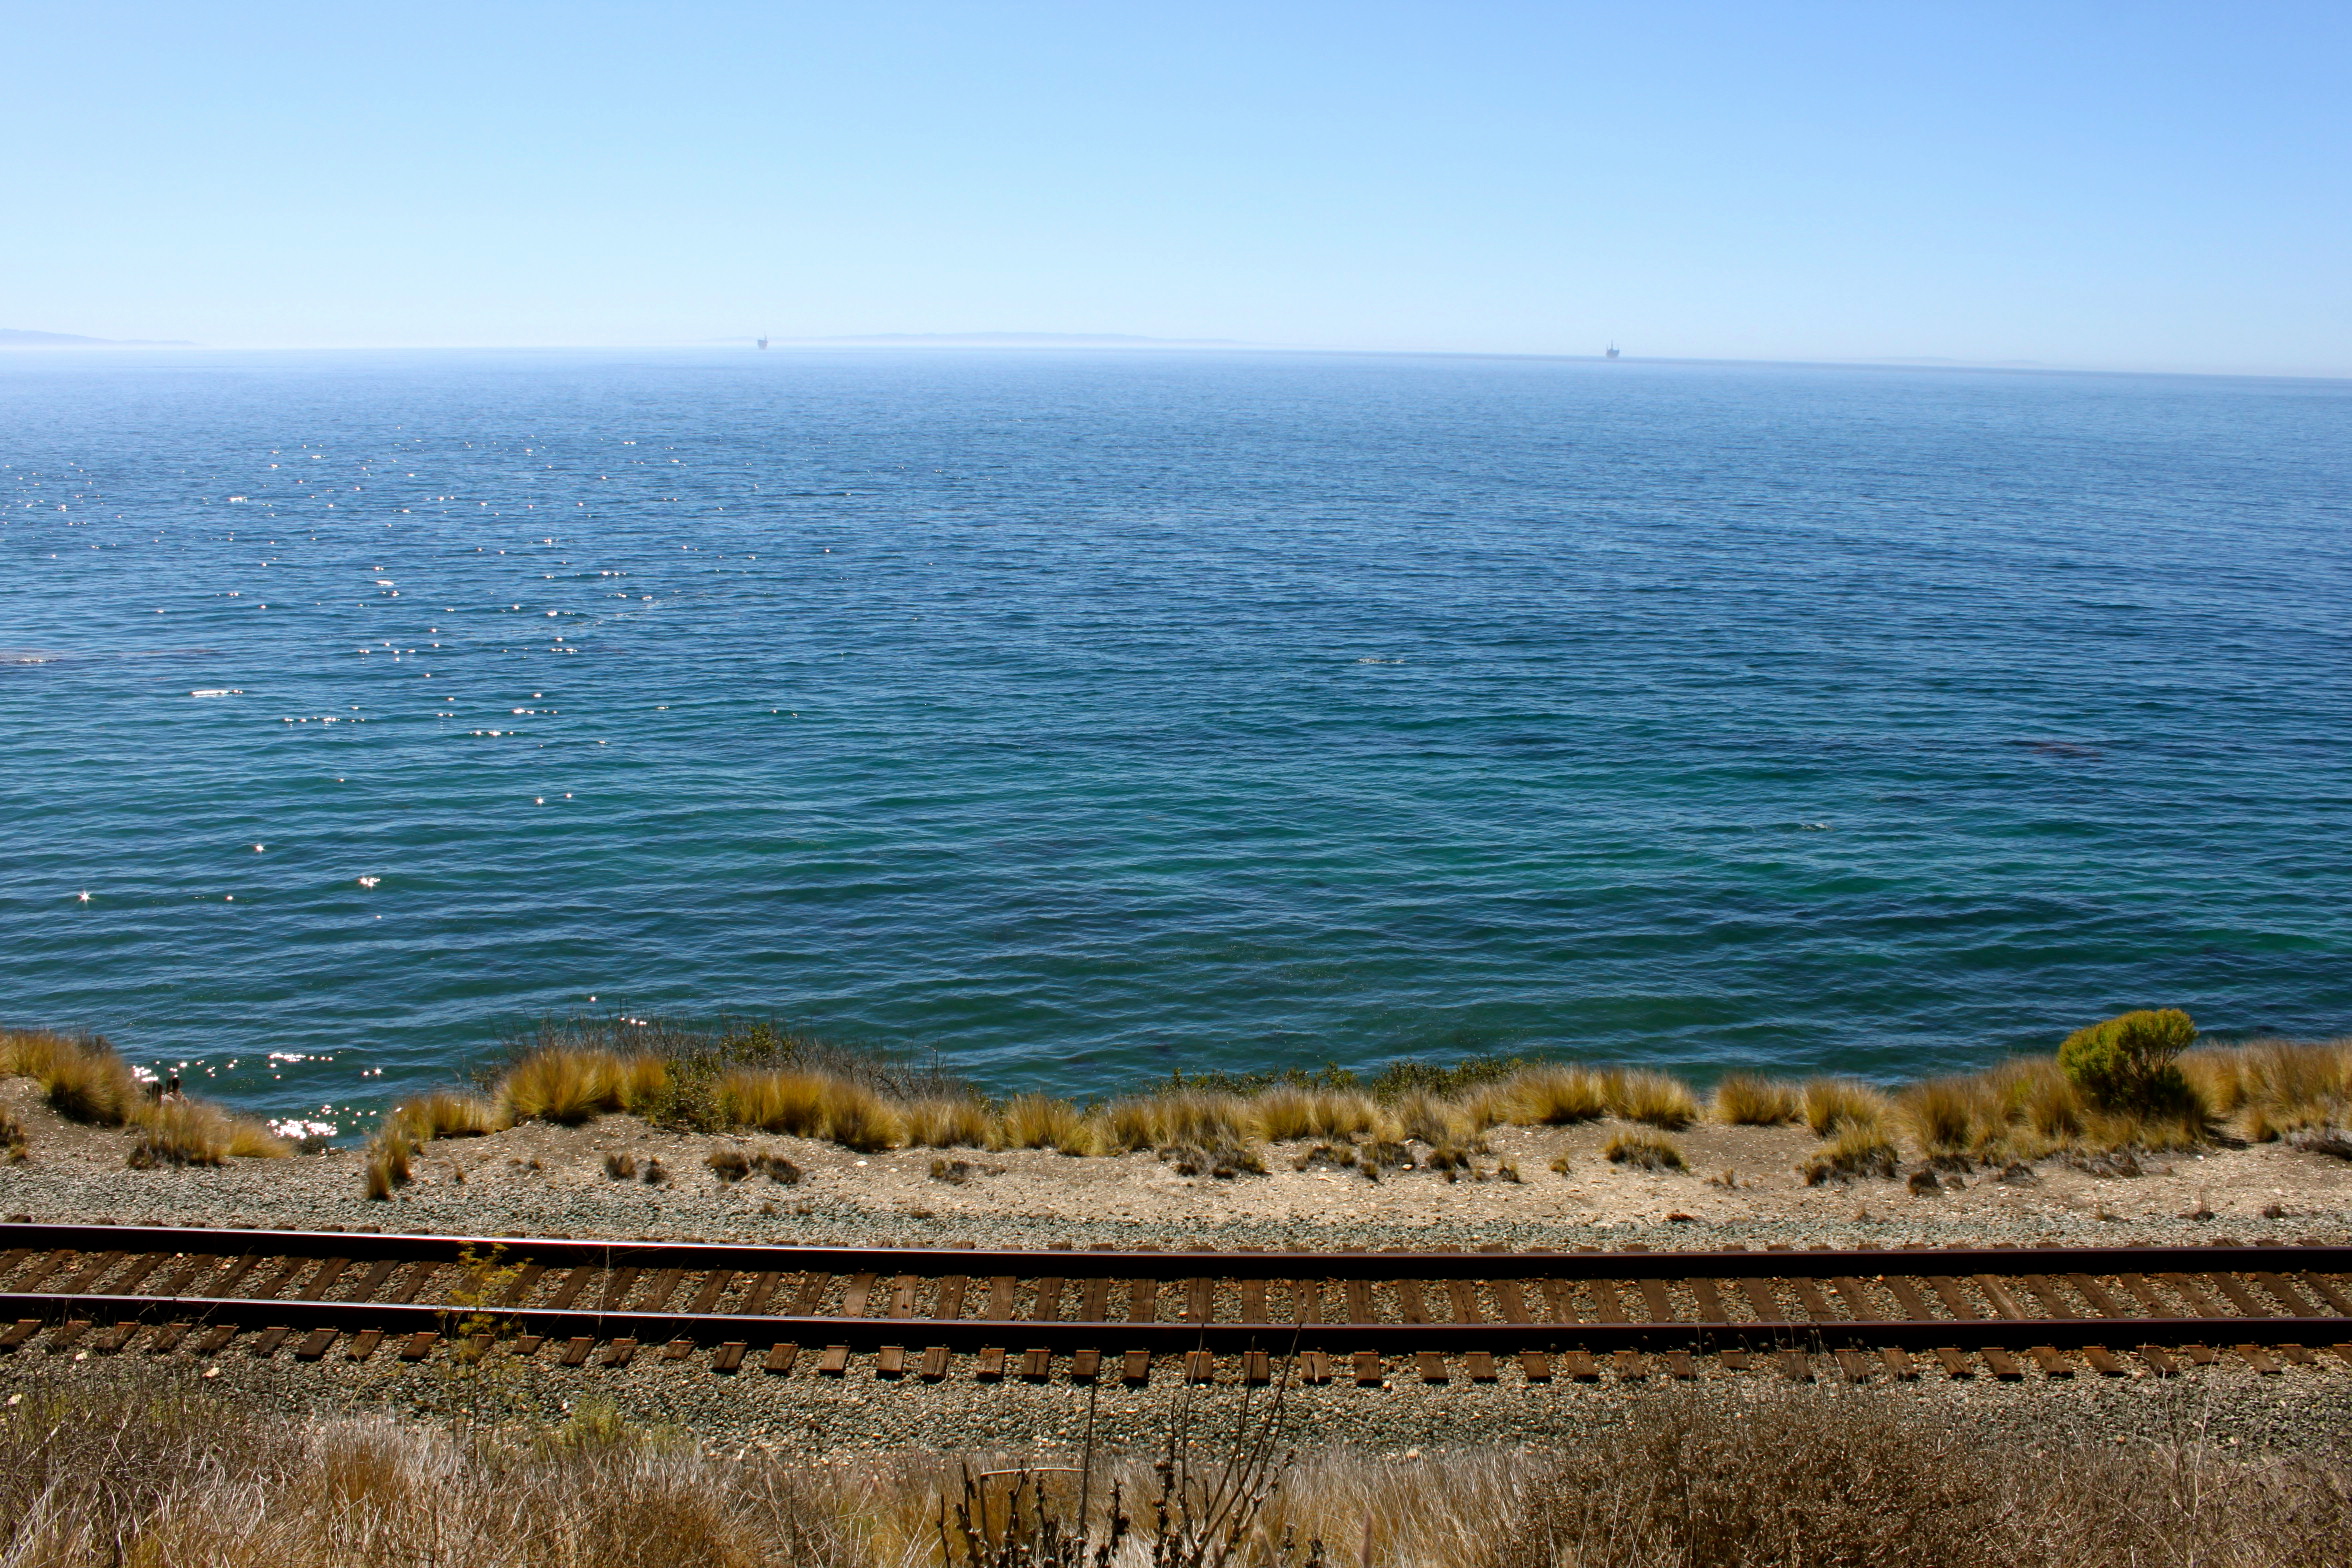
point(1572, 1314)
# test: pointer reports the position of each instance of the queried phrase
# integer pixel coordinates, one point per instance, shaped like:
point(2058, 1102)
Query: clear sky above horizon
point(2145, 186)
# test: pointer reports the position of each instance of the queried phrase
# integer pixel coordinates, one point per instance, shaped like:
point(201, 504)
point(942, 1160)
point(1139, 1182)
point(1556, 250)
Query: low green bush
point(2129, 1062)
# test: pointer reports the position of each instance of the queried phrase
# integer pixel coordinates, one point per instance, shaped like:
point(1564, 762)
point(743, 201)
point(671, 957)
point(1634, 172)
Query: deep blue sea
point(1085, 716)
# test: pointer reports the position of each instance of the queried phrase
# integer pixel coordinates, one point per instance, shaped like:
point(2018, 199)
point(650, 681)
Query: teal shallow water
point(1088, 716)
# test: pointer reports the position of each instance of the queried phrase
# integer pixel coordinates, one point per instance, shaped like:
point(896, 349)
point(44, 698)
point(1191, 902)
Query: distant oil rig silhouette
point(1612, 354)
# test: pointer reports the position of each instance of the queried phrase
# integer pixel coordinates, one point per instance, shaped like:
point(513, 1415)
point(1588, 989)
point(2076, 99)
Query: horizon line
point(1082, 342)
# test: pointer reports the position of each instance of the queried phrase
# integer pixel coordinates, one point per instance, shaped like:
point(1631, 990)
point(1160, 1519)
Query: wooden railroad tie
point(1247, 1317)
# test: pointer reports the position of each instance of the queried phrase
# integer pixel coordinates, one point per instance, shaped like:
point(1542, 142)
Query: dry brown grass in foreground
point(1827, 1480)
point(155, 1468)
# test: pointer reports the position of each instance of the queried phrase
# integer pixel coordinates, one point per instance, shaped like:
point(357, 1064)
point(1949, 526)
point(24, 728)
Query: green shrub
point(2129, 1062)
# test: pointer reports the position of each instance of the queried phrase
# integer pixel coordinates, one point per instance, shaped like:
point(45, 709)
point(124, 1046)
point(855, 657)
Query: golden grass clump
point(28, 1052)
point(1556, 1096)
point(2157, 1131)
point(441, 1113)
point(1288, 1113)
point(1433, 1119)
point(811, 1105)
point(87, 1081)
point(2298, 1085)
point(1489, 1105)
point(1644, 1151)
point(1747, 1100)
point(450, 1113)
point(1197, 1116)
point(1089, 1139)
point(1180, 1116)
point(1131, 1123)
point(789, 1102)
point(2041, 1100)
point(252, 1140)
point(2277, 1086)
point(1856, 1149)
point(1038, 1121)
point(186, 1132)
point(388, 1155)
point(559, 1084)
point(1659, 1099)
point(1952, 1118)
point(858, 1118)
point(1834, 1103)
point(2218, 1074)
point(15, 1147)
point(947, 1122)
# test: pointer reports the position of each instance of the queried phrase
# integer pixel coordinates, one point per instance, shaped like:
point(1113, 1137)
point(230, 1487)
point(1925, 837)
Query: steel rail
point(58, 1269)
point(1165, 1338)
point(1821, 1263)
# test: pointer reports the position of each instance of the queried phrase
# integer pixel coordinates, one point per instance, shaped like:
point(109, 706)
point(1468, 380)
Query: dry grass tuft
point(15, 1147)
point(388, 1155)
point(84, 1079)
point(1037, 1121)
point(858, 1118)
point(252, 1140)
point(1557, 1096)
point(2045, 1110)
point(1644, 1151)
point(568, 1086)
point(2149, 1132)
point(450, 1113)
point(1288, 1112)
point(1640, 1095)
point(2298, 1085)
point(776, 1168)
point(1180, 1116)
point(166, 1475)
point(755, 1076)
point(191, 1133)
point(1855, 1150)
point(948, 1122)
point(143, 1465)
point(1128, 1124)
point(1746, 1100)
point(2273, 1086)
point(1222, 1162)
point(1424, 1117)
point(2218, 1074)
point(811, 1105)
point(1831, 1104)
point(793, 1103)
point(1952, 1119)
point(1810, 1479)
point(1195, 1116)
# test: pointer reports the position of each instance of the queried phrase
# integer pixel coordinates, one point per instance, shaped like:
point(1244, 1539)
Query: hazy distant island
point(1026, 340)
point(17, 337)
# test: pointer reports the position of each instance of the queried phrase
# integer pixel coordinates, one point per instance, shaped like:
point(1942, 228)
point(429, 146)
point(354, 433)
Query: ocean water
point(1084, 717)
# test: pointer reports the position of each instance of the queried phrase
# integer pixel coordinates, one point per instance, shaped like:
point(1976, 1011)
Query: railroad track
point(1349, 1316)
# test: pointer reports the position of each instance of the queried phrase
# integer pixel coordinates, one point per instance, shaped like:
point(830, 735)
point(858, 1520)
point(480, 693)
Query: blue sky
point(2130, 185)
